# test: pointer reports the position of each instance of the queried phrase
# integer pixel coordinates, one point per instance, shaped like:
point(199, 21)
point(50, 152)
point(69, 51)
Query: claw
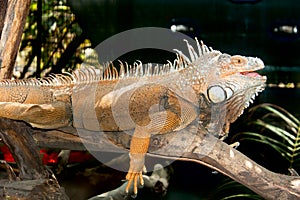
point(135, 185)
point(134, 177)
point(141, 180)
point(128, 177)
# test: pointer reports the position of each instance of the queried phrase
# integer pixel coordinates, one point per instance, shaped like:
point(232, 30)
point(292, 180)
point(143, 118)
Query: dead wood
point(34, 180)
point(3, 9)
point(14, 14)
point(39, 189)
point(187, 146)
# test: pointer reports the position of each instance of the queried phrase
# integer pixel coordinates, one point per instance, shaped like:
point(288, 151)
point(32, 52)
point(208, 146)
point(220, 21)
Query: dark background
point(255, 27)
point(266, 29)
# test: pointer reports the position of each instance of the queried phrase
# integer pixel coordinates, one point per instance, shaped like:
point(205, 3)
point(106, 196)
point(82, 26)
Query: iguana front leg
point(161, 122)
point(138, 148)
point(154, 109)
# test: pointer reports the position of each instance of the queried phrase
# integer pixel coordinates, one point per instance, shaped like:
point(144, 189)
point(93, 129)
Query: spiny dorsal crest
point(89, 74)
point(138, 69)
point(203, 51)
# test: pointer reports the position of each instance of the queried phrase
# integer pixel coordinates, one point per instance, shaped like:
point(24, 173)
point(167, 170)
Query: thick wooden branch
point(34, 180)
point(39, 189)
point(3, 9)
point(239, 167)
point(190, 144)
point(11, 35)
point(204, 149)
point(17, 136)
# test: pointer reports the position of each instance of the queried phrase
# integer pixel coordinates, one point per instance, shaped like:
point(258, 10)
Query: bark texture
point(13, 14)
point(190, 144)
point(34, 181)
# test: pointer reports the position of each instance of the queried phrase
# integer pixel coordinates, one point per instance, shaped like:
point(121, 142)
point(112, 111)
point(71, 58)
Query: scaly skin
point(208, 86)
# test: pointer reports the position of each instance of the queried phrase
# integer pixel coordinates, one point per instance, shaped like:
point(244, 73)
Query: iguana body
point(149, 100)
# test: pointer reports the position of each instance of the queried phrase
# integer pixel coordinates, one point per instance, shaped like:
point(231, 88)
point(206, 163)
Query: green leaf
point(290, 138)
point(284, 115)
point(278, 129)
point(249, 196)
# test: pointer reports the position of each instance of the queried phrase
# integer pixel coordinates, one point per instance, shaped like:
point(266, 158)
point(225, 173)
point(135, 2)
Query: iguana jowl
point(150, 100)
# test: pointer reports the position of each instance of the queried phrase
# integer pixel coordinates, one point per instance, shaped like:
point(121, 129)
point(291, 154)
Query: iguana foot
point(134, 177)
point(135, 171)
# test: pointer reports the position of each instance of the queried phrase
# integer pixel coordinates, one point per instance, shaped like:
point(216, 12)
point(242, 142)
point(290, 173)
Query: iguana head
point(226, 84)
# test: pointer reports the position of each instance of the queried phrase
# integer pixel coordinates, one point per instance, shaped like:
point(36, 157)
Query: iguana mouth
point(254, 64)
point(252, 74)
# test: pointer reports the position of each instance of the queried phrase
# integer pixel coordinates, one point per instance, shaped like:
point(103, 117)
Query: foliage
point(51, 41)
point(278, 129)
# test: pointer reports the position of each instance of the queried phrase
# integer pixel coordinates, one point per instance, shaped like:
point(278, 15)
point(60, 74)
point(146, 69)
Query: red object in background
point(49, 158)
point(7, 156)
point(79, 156)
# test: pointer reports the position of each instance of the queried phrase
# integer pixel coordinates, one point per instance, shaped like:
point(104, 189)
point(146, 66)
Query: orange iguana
point(148, 99)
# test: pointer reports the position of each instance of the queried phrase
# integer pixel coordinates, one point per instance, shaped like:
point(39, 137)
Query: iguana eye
point(238, 60)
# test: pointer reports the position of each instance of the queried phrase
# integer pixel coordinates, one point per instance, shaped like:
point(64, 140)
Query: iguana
point(209, 86)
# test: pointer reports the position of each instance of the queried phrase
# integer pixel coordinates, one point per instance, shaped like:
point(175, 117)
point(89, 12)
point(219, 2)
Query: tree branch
point(34, 181)
point(189, 144)
point(17, 137)
point(11, 35)
point(3, 9)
